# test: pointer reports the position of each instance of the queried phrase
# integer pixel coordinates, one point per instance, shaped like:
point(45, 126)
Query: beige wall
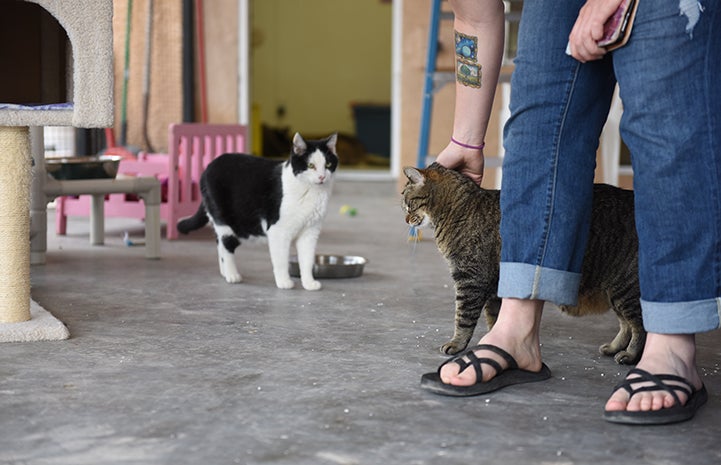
point(316, 57)
point(221, 62)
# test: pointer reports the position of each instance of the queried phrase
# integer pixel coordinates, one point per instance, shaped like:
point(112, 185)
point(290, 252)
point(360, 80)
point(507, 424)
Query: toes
point(449, 372)
point(645, 402)
point(668, 402)
point(618, 401)
point(450, 375)
point(642, 401)
point(662, 402)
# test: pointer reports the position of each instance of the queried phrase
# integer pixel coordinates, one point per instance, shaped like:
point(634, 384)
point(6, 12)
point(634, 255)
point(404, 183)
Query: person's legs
point(558, 108)
point(672, 125)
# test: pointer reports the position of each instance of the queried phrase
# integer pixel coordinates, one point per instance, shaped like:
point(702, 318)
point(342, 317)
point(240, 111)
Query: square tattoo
point(468, 73)
point(466, 47)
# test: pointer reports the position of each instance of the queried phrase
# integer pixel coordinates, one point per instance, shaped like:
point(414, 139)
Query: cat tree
point(89, 70)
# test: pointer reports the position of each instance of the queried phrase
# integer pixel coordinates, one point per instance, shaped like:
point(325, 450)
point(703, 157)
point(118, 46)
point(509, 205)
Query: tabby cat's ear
point(413, 175)
point(299, 145)
point(331, 141)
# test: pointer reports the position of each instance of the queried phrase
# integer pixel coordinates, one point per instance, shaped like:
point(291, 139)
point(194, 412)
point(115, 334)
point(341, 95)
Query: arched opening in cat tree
point(36, 57)
point(56, 63)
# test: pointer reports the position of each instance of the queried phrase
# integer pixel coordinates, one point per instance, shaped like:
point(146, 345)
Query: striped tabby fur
point(466, 222)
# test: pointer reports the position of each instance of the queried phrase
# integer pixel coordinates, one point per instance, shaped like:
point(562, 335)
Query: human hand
point(588, 29)
point(466, 161)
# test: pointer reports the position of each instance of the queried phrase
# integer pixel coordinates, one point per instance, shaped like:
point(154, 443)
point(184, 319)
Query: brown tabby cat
point(466, 219)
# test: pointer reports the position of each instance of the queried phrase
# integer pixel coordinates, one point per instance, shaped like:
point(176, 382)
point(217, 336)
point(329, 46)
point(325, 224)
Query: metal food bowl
point(94, 167)
point(332, 266)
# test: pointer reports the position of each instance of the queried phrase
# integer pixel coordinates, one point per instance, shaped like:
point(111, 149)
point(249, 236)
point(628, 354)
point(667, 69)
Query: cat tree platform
point(59, 72)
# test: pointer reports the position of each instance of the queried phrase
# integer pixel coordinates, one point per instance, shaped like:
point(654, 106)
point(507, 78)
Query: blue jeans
point(668, 81)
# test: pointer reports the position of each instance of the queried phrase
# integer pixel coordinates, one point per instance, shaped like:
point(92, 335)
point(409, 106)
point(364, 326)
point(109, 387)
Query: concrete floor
point(168, 364)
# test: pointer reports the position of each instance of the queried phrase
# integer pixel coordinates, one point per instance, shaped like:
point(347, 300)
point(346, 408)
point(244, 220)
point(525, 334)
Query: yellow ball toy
point(348, 210)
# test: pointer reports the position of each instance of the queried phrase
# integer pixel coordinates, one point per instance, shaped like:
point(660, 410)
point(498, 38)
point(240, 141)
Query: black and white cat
point(246, 196)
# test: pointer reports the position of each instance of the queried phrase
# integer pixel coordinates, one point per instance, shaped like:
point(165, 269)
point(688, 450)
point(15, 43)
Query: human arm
point(484, 21)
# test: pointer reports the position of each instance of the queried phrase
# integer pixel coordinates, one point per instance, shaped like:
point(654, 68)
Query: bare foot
point(516, 332)
point(663, 354)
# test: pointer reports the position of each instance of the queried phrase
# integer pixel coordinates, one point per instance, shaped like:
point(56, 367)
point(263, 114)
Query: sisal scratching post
point(15, 172)
point(88, 103)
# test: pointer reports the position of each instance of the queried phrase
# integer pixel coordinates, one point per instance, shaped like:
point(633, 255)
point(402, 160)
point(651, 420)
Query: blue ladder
point(434, 80)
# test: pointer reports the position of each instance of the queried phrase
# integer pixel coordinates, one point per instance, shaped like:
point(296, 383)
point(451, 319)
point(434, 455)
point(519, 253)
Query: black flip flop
point(504, 376)
point(675, 414)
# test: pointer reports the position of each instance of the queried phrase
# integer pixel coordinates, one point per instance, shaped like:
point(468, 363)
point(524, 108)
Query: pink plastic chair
point(192, 147)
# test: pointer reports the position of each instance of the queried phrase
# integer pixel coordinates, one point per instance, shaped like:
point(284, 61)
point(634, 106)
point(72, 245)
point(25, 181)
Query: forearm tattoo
point(468, 70)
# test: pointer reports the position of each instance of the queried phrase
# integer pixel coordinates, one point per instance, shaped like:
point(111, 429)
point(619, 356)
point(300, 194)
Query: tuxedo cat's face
point(314, 161)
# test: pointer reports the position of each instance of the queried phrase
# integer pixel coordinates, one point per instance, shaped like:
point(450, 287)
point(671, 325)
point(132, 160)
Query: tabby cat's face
point(415, 198)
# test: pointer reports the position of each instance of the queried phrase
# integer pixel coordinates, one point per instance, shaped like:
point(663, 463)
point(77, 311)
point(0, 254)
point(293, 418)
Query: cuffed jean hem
point(524, 281)
point(681, 317)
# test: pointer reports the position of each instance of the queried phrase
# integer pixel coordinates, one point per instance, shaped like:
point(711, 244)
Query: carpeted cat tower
point(58, 71)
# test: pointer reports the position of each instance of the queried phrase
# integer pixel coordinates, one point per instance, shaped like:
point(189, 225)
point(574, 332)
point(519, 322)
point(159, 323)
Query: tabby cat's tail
point(194, 222)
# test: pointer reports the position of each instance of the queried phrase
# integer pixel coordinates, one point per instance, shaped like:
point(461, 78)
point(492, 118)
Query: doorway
point(324, 66)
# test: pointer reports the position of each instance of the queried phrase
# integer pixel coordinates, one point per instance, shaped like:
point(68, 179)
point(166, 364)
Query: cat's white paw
point(284, 283)
point(312, 285)
point(233, 278)
point(228, 270)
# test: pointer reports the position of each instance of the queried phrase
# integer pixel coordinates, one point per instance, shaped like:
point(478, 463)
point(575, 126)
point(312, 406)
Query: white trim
point(396, 74)
point(244, 63)
point(364, 175)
